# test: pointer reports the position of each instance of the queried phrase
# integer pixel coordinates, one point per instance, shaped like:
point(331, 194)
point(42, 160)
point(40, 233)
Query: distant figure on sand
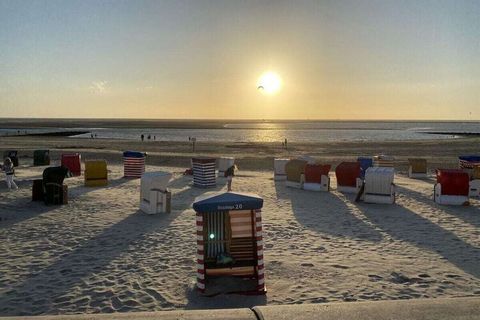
point(142, 137)
point(286, 143)
point(229, 173)
point(154, 138)
point(149, 137)
point(9, 173)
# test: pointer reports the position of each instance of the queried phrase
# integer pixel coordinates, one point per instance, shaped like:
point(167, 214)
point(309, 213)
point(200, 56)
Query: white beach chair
point(379, 186)
point(279, 173)
point(154, 195)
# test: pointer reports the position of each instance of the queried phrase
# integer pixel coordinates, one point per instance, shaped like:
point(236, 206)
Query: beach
point(100, 254)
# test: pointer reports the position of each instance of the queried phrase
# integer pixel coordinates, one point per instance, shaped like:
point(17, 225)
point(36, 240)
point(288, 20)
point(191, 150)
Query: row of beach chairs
point(372, 179)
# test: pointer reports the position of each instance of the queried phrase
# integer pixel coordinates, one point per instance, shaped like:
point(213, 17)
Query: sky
point(196, 59)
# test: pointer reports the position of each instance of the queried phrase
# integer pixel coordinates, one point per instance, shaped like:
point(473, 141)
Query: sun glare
point(269, 83)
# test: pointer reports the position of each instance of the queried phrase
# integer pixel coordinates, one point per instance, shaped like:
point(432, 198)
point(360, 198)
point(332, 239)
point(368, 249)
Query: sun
point(269, 83)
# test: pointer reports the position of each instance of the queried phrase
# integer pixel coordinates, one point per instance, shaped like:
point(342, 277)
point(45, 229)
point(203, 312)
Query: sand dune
point(100, 254)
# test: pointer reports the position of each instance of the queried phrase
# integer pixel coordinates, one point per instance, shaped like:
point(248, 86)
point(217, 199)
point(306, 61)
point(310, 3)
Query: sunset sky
point(202, 59)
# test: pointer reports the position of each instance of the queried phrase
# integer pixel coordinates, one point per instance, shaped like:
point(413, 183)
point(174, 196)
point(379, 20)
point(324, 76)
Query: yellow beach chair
point(96, 174)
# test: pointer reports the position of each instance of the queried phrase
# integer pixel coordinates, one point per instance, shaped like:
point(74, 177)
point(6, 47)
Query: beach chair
point(223, 164)
point(230, 240)
point(41, 158)
point(468, 163)
point(13, 155)
point(154, 195)
point(204, 172)
point(295, 171)
point(384, 161)
point(348, 177)
point(133, 164)
point(316, 177)
point(452, 187)
point(73, 162)
point(96, 174)
point(54, 191)
point(379, 186)
point(417, 168)
point(279, 173)
point(37, 190)
point(475, 182)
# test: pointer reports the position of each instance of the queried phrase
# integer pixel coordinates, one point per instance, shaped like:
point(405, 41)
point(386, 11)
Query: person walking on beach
point(229, 173)
point(142, 136)
point(9, 173)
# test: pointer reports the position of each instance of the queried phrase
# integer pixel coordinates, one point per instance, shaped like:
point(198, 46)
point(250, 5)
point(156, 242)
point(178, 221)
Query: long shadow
point(469, 214)
point(222, 301)
point(82, 189)
point(28, 208)
point(66, 274)
point(91, 256)
point(405, 225)
point(327, 213)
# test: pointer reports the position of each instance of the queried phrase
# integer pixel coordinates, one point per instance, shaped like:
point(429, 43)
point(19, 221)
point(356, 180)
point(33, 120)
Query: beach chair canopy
point(418, 165)
point(55, 175)
point(468, 162)
point(227, 201)
point(73, 162)
point(378, 180)
point(41, 157)
point(347, 173)
point(454, 182)
point(134, 154)
point(314, 172)
point(294, 169)
point(365, 163)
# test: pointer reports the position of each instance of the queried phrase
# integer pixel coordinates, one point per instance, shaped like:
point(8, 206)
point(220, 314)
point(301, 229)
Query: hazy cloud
point(98, 87)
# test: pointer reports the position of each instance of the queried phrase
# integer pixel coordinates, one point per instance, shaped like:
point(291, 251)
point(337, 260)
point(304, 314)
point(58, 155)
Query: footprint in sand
point(307, 265)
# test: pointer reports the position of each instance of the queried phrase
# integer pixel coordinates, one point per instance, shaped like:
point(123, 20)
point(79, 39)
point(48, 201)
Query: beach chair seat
point(41, 157)
point(316, 177)
point(223, 164)
point(96, 173)
point(417, 168)
point(154, 195)
point(73, 161)
point(379, 186)
point(348, 177)
point(452, 187)
point(279, 173)
point(295, 170)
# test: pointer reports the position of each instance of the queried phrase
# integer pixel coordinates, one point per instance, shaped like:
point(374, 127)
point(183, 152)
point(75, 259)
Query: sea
point(253, 131)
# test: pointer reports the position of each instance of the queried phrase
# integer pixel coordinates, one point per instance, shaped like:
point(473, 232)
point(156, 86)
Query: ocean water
point(277, 131)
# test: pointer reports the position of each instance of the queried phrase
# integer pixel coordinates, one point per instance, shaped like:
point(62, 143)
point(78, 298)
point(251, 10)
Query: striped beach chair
point(230, 224)
point(133, 164)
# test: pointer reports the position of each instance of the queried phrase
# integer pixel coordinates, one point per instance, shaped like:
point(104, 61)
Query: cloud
point(98, 87)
